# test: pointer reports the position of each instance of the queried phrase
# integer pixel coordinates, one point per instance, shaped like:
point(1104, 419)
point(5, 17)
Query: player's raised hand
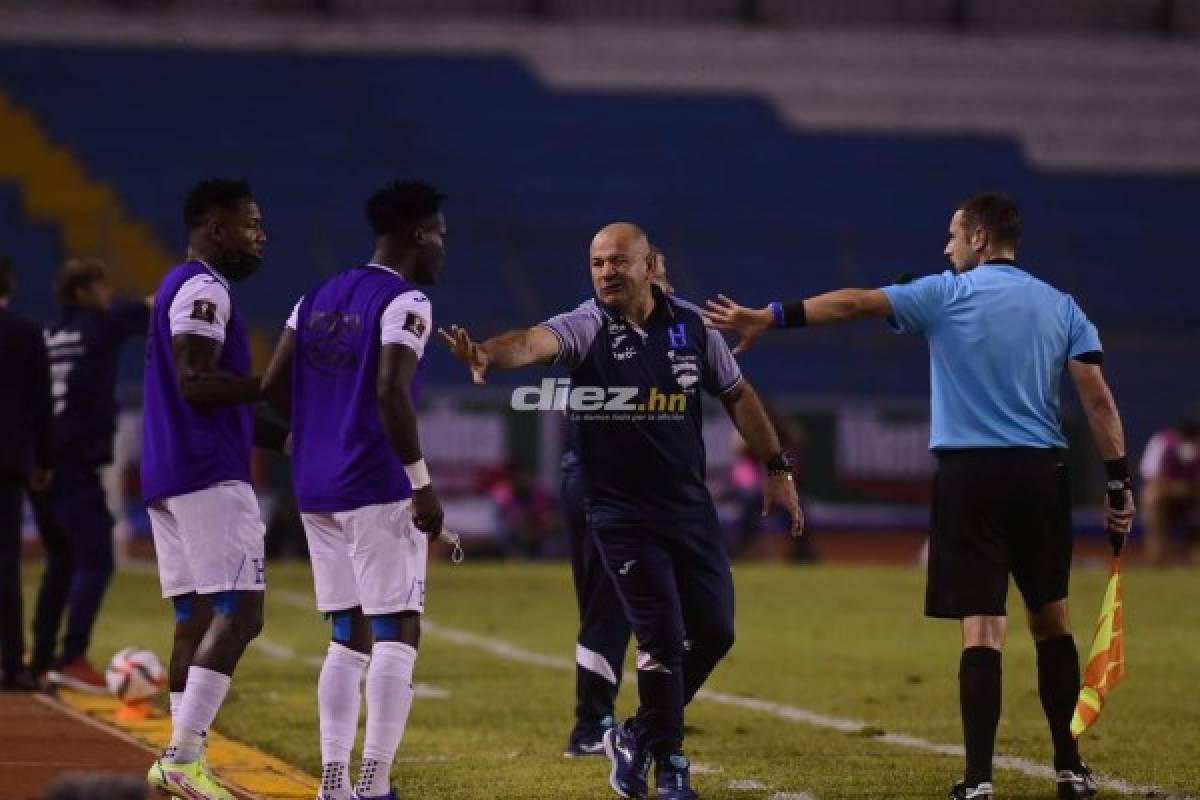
point(780, 490)
point(467, 351)
point(749, 323)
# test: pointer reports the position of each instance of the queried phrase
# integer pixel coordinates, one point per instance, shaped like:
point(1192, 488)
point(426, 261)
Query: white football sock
point(339, 695)
point(176, 702)
point(334, 782)
point(202, 698)
point(389, 699)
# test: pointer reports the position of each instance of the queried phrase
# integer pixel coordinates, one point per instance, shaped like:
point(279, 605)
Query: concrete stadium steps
point(56, 189)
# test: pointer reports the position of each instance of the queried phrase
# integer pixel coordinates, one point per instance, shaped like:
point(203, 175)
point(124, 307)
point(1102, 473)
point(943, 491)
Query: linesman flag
point(1106, 661)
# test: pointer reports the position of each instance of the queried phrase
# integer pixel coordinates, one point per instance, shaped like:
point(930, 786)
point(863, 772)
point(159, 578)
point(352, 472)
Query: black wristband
point(779, 464)
point(1117, 469)
point(793, 314)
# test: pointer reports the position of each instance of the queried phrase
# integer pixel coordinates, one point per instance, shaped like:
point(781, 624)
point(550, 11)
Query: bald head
point(625, 235)
point(622, 265)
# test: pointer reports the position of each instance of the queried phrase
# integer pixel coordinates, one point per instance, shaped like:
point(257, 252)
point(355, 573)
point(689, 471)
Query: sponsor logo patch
point(204, 310)
point(414, 324)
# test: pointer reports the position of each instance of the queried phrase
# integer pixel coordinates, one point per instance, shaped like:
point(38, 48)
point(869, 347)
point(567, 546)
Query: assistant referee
point(999, 341)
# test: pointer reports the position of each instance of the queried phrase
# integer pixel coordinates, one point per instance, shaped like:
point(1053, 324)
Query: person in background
point(755, 535)
point(84, 346)
point(525, 517)
point(1170, 493)
point(24, 462)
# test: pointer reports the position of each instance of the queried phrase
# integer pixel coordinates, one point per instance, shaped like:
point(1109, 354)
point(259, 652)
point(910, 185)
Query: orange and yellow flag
point(1106, 661)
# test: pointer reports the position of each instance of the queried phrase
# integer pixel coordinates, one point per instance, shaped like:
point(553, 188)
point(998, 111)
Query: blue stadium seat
point(739, 201)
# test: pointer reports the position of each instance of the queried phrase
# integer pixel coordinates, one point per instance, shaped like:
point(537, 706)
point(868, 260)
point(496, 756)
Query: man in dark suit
point(24, 461)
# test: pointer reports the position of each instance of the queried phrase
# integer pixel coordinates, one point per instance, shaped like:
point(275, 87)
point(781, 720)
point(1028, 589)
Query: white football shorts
point(372, 557)
point(209, 540)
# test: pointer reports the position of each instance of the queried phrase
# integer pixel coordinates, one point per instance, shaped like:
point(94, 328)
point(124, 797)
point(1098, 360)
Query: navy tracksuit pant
point(603, 630)
point(675, 583)
point(76, 529)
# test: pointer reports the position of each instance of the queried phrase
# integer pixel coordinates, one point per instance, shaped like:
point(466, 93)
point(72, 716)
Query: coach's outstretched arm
point(518, 348)
point(1105, 423)
point(836, 306)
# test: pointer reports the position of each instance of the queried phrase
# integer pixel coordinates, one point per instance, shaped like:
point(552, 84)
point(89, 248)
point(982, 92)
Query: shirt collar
point(660, 302)
point(1010, 262)
point(385, 269)
point(220, 278)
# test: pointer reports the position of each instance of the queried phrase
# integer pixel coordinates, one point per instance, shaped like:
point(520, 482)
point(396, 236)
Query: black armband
point(794, 315)
point(1095, 357)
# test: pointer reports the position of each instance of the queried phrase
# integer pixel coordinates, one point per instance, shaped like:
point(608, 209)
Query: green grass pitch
point(845, 642)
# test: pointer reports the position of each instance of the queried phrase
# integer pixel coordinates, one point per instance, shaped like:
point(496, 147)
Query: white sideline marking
point(283, 652)
point(496, 647)
point(747, 785)
point(705, 769)
point(512, 652)
point(792, 796)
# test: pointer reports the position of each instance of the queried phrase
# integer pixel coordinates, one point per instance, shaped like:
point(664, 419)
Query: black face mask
point(239, 266)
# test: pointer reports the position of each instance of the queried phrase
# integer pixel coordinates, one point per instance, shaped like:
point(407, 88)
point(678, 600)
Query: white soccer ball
point(135, 674)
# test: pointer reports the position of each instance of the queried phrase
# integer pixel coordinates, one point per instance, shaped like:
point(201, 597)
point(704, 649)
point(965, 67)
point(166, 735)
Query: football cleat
point(191, 780)
point(587, 739)
point(630, 764)
point(674, 779)
point(391, 795)
point(1076, 783)
point(980, 791)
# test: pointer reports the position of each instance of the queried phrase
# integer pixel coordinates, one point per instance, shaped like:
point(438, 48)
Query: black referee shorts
point(997, 511)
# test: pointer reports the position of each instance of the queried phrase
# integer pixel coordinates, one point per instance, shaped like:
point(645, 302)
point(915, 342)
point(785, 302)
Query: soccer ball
point(135, 674)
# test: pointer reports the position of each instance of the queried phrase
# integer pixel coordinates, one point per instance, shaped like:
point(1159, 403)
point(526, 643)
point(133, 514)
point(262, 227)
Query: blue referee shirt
point(999, 340)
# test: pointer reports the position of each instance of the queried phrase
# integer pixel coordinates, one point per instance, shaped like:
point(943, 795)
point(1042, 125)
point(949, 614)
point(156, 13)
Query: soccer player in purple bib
point(347, 371)
point(197, 439)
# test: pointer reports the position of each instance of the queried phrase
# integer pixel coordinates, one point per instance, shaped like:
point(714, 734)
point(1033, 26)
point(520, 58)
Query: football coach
point(999, 342)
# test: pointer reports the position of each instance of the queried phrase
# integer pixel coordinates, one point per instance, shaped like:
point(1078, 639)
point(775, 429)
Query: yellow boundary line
point(242, 767)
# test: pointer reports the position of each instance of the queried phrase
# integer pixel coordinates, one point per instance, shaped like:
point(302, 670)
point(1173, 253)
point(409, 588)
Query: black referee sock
point(979, 699)
point(1058, 685)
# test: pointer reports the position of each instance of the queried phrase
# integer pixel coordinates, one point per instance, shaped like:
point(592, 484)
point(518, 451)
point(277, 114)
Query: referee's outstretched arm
point(836, 306)
point(846, 304)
